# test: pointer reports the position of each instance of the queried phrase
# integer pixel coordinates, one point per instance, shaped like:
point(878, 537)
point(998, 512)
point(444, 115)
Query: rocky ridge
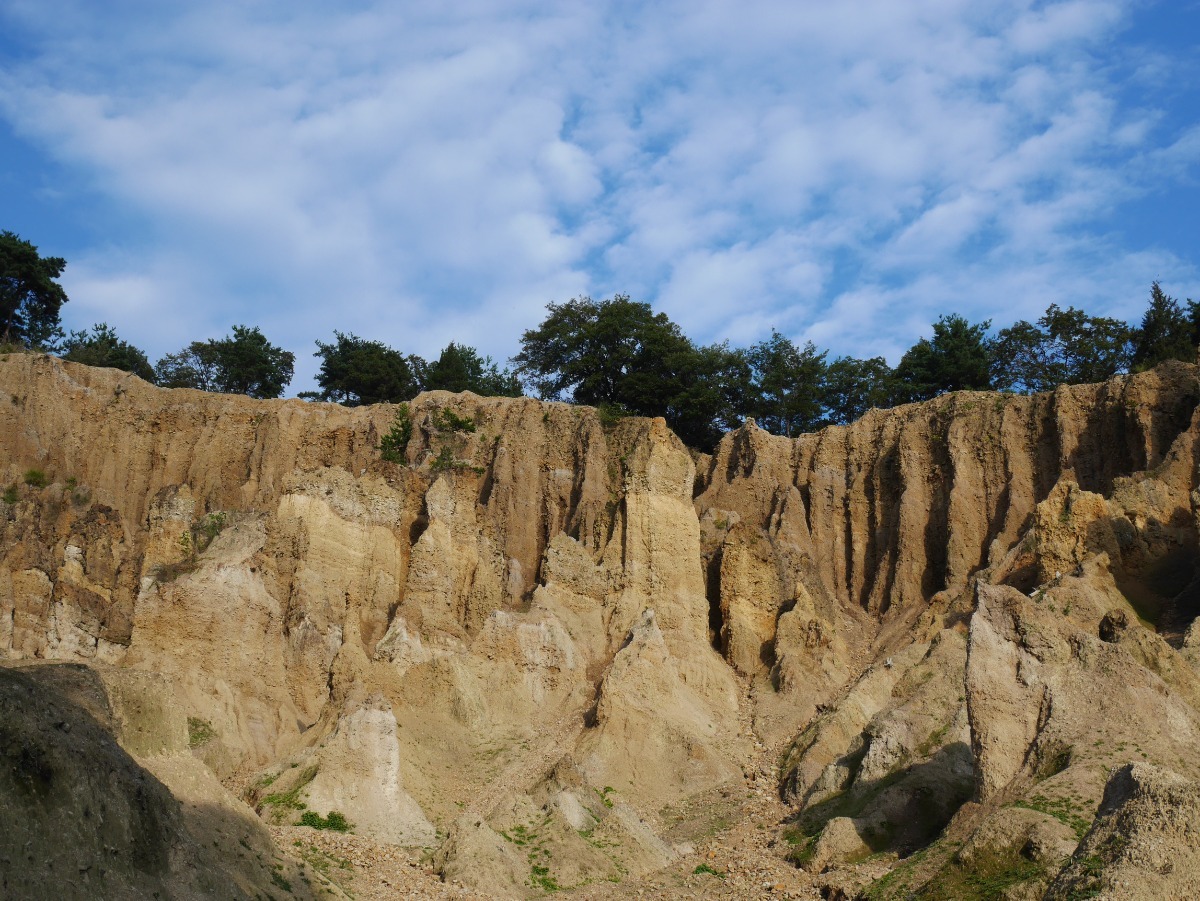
point(550, 653)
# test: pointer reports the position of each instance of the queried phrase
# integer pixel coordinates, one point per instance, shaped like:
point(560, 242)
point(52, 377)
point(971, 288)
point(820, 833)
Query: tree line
point(621, 356)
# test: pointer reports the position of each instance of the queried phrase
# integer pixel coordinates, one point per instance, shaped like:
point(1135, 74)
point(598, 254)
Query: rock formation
point(543, 650)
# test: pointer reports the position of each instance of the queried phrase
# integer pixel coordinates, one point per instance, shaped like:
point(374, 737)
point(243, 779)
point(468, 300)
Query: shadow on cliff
point(86, 820)
point(901, 812)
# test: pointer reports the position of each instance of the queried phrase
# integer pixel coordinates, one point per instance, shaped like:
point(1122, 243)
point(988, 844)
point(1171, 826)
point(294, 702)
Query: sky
point(425, 172)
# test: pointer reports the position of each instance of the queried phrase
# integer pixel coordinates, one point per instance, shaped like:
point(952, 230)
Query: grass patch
point(803, 847)
point(35, 478)
point(988, 878)
point(705, 870)
point(10, 495)
point(290, 799)
point(1062, 809)
point(200, 732)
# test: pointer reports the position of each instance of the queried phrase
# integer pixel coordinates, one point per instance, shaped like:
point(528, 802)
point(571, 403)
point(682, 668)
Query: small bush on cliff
point(35, 478)
point(446, 420)
point(336, 821)
point(10, 495)
point(393, 445)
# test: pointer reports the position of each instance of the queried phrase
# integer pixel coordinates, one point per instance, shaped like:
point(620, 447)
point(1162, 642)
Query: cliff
point(540, 622)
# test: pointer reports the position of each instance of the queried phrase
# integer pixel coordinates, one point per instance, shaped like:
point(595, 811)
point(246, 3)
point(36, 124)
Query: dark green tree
point(622, 355)
point(196, 366)
point(1166, 332)
point(1065, 347)
point(715, 390)
point(103, 348)
point(241, 363)
point(616, 352)
point(461, 368)
point(853, 386)
point(957, 357)
point(787, 385)
point(30, 298)
point(355, 371)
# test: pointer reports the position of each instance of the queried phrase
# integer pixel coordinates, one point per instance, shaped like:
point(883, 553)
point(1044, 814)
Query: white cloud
point(422, 173)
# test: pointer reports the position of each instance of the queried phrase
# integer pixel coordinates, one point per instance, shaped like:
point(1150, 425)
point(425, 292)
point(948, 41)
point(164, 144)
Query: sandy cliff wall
point(540, 616)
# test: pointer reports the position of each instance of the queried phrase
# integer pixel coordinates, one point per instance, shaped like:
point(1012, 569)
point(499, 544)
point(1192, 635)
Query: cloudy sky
point(420, 172)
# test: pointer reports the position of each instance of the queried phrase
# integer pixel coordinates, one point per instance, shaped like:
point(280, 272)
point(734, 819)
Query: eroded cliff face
point(540, 623)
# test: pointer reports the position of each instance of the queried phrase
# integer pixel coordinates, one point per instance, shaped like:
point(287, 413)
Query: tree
point(787, 385)
point(242, 363)
point(1166, 332)
point(957, 357)
point(714, 393)
point(103, 348)
point(621, 354)
point(460, 368)
point(30, 298)
point(615, 352)
point(1065, 347)
point(853, 386)
point(355, 371)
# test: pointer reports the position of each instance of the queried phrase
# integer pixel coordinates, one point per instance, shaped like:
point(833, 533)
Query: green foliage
point(355, 371)
point(35, 478)
point(786, 386)
point(460, 368)
point(620, 353)
point(1064, 347)
point(200, 732)
point(278, 880)
point(335, 822)
point(11, 496)
point(104, 349)
point(393, 445)
point(705, 870)
point(242, 363)
point(957, 357)
point(290, 799)
point(207, 529)
point(1064, 810)
point(445, 461)
point(988, 878)
point(853, 386)
point(30, 298)
point(1167, 332)
point(446, 420)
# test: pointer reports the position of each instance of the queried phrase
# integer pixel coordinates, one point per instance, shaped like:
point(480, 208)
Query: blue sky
point(425, 172)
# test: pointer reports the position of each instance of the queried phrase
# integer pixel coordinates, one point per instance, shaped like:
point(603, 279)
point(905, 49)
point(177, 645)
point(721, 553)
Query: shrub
point(335, 821)
point(208, 529)
point(446, 420)
point(395, 442)
point(35, 478)
point(10, 495)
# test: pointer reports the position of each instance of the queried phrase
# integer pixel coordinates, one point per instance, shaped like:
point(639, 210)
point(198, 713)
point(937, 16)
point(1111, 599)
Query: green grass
point(10, 495)
point(290, 799)
point(35, 478)
point(989, 878)
point(200, 732)
point(705, 870)
point(1062, 809)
